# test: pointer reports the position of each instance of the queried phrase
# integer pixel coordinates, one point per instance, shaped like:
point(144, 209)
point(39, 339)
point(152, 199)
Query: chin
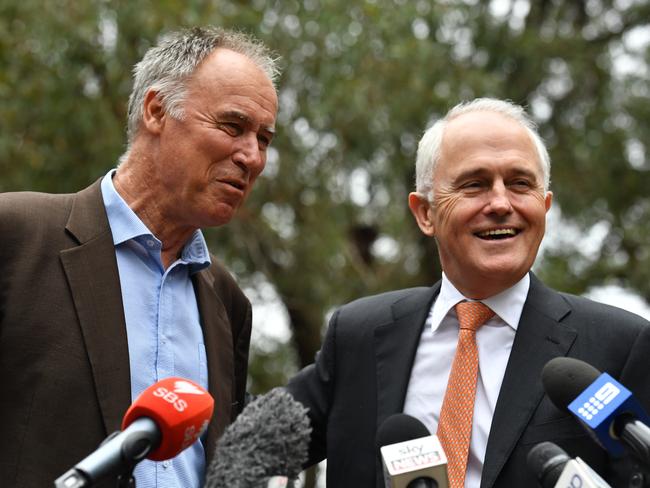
point(506, 275)
point(221, 215)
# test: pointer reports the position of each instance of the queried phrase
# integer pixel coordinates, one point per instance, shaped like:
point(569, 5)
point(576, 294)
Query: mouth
point(237, 184)
point(497, 234)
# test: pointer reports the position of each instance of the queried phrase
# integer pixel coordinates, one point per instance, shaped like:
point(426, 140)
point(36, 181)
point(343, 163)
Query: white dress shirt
point(435, 353)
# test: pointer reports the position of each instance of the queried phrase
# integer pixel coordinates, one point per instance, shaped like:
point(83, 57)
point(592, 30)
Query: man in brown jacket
point(109, 290)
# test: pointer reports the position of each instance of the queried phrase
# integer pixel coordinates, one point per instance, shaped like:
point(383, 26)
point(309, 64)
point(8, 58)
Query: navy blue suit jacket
point(361, 375)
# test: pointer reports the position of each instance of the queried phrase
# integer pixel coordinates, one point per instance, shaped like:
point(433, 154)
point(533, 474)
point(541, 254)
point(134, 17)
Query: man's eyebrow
point(524, 172)
point(245, 119)
point(470, 173)
point(480, 171)
point(235, 114)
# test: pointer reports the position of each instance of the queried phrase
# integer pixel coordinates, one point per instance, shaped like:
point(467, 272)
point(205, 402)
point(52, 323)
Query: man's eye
point(264, 141)
point(521, 184)
point(231, 128)
point(472, 185)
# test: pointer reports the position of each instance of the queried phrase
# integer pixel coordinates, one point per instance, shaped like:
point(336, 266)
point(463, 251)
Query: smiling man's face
point(489, 208)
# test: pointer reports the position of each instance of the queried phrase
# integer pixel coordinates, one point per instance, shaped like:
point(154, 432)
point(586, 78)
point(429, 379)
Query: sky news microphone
point(605, 407)
point(267, 443)
point(411, 456)
point(166, 418)
point(554, 469)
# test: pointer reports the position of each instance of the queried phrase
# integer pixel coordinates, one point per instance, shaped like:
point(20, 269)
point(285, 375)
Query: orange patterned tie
point(455, 426)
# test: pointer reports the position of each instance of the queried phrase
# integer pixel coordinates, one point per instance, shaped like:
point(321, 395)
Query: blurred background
point(328, 221)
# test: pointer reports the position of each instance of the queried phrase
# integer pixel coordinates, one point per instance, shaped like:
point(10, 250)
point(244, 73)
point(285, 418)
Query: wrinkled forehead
point(483, 135)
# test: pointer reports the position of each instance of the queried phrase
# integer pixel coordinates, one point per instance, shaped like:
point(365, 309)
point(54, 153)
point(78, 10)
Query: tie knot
point(471, 315)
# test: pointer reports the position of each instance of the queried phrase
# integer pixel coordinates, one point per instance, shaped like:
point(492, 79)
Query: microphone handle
point(116, 456)
point(636, 436)
point(423, 483)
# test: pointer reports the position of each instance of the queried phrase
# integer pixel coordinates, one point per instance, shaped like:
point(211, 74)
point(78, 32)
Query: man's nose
point(499, 199)
point(248, 154)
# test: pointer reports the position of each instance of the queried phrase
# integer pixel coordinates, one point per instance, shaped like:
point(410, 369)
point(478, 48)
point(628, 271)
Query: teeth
point(498, 232)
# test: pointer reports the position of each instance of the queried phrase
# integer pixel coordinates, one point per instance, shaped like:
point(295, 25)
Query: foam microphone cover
point(180, 408)
point(566, 378)
point(269, 438)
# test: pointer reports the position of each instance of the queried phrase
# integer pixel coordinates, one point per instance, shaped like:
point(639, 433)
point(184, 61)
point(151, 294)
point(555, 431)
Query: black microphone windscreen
point(269, 438)
point(565, 378)
point(547, 460)
point(400, 427)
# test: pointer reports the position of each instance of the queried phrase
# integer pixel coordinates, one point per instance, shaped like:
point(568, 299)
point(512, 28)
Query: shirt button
point(150, 243)
point(165, 464)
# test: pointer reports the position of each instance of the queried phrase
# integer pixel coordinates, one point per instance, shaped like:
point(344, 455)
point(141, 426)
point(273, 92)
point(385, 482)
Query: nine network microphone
point(165, 419)
point(606, 408)
point(411, 456)
point(554, 469)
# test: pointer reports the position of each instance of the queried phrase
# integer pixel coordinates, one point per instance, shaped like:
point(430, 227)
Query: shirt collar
point(508, 304)
point(126, 225)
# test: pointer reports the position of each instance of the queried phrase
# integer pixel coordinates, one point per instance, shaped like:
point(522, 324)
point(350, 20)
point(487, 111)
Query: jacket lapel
point(91, 270)
point(540, 337)
point(218, 341)
point(395, 346)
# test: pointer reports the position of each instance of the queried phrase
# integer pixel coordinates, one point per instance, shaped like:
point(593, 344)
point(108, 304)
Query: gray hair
point(167, 67)
point(428, 155)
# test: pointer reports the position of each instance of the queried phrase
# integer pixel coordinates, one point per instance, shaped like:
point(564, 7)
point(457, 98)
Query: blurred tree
point(328, 221)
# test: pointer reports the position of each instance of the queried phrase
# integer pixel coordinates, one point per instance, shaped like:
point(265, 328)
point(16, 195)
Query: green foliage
point(328, 221)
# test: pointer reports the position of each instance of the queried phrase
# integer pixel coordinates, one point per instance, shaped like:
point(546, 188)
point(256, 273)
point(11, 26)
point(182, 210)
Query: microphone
point(268, 441)
point(278, 482)
point(411, 456)
point(605, 407)
point(166, 418)
point(554, 469)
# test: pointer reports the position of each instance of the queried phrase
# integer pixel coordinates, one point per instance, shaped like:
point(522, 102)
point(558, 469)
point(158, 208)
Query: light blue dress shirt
point(162, 325)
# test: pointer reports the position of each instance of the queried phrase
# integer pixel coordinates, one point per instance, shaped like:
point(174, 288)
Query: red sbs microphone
point(180, 408)
point(166, 418)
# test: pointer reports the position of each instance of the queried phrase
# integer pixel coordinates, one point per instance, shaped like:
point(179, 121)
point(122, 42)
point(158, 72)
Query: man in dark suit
point(109, 290)
point(482, 193)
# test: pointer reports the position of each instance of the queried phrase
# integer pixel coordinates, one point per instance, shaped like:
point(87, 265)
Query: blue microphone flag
point(600, 404)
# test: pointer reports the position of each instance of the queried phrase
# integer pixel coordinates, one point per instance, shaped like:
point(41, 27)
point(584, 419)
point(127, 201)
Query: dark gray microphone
point(269, 438)
point(608, 410)
point(547, 461)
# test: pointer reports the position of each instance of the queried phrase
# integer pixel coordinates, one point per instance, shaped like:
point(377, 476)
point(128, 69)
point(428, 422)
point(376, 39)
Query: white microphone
point(411, 457)
point(578, 474)
point(554, 469)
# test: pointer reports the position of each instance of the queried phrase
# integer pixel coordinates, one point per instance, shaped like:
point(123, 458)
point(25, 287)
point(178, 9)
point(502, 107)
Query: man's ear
point(422, 211)
point(548, 200)
point(153, 112)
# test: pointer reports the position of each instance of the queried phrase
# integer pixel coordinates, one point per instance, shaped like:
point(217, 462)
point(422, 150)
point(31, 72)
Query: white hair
point(167, 67)
point(428, 155)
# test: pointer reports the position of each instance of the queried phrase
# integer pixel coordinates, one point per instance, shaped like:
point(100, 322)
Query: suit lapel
point(218, 341)
point(91, 271)
point(395, 346)
point(540, 337)
point(93, 277)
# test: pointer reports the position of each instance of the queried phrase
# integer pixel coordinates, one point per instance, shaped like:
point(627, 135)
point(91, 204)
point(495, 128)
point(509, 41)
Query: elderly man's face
point(489, 209)
point(209, 159)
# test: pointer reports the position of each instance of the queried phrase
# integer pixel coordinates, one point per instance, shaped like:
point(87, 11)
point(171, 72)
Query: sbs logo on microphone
point(170, 397)
point(187, 387)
